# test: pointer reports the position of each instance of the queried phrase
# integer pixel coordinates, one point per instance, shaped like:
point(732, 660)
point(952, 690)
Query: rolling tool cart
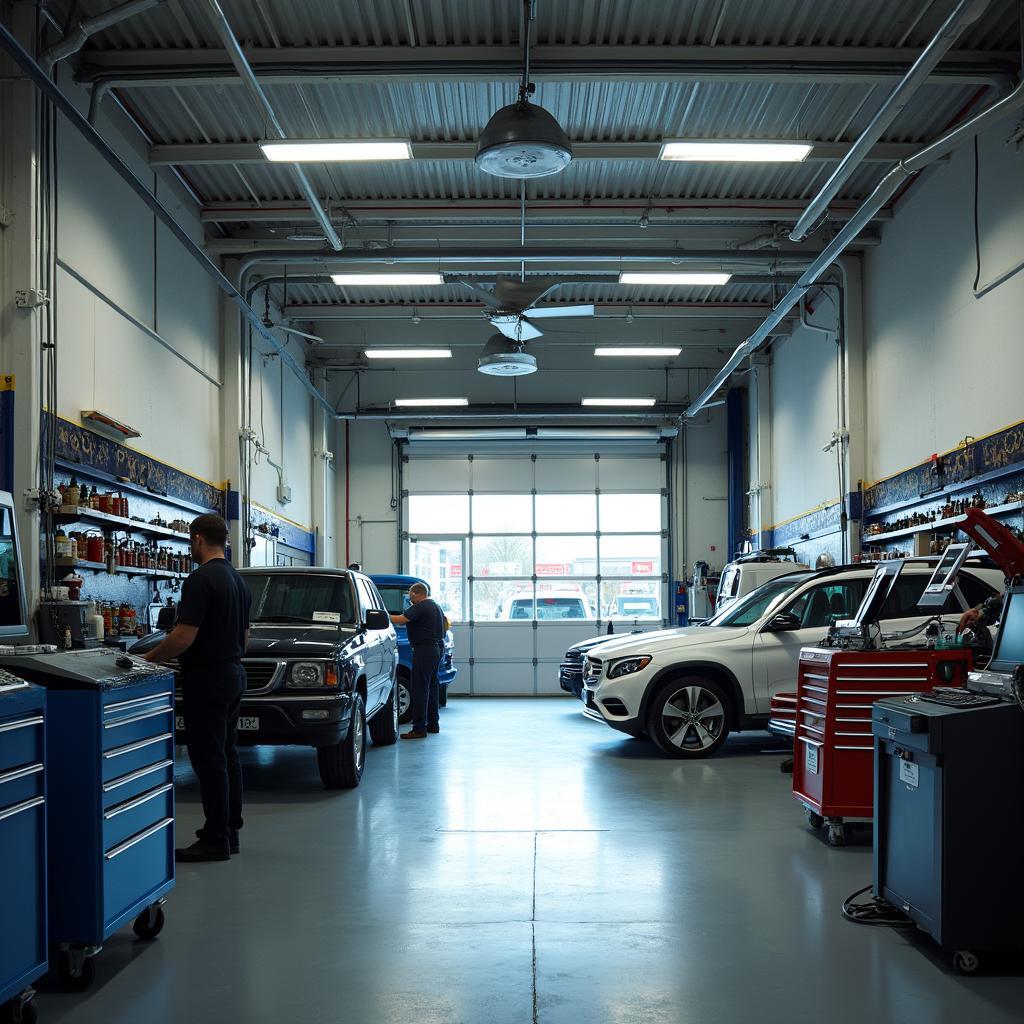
point(110, 736)
point(23, 942)
point(782, 722)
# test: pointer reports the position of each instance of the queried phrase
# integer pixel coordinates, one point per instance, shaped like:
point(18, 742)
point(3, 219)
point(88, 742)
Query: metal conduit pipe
point(509, 413)
point(50, 90)
point(884, 191)
point(79, 35)
point(962, 15)
point(244, 69)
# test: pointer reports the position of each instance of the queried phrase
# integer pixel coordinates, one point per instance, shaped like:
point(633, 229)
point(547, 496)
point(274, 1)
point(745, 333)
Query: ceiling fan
point(512, 305)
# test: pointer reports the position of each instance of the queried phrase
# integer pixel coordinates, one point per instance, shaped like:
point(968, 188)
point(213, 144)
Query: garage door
point(529, 553)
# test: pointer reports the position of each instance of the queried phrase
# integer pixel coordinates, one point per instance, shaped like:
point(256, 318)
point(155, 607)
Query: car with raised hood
point(321, 667)
point(689, 688)
point(394, 589)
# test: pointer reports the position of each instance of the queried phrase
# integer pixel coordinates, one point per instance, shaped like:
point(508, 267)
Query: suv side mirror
point(376, 619)
point(783, 623)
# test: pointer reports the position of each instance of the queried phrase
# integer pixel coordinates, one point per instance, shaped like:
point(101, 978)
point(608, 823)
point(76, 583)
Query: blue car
point(394, 588)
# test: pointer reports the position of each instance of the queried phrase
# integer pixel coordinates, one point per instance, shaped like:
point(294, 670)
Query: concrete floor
point(527, 865)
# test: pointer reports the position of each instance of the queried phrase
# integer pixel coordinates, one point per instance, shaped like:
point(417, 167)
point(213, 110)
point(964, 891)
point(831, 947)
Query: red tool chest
point(833, 768)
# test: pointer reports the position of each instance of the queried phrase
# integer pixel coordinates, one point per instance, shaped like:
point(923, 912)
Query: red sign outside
point(643, 568)
point(455, 570)
point(553, 568)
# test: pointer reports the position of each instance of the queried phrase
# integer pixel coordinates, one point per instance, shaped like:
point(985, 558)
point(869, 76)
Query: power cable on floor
point(876, 912)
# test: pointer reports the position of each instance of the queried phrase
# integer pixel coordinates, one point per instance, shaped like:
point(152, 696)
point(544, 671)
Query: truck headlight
point(308, 675)
point(627, 666)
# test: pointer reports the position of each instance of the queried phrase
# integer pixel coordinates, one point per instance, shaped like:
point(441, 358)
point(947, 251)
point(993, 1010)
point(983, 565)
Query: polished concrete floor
point(527, 865)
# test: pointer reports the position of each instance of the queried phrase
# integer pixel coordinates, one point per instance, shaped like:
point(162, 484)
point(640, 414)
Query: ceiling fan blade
point(488, 298)
point(515, 294)
point(539, 313)
point(515, 327)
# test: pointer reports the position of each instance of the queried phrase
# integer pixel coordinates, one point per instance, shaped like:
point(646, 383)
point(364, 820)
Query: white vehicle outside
point(688, 688)
point(742, 578)
point(547, 605)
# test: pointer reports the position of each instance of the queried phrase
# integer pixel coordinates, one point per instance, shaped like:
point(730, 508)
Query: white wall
point(703, 482)
point(803, 397)
point(107, 236)
point(942, 364)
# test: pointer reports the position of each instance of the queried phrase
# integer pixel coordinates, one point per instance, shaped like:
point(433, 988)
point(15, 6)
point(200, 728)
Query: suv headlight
point(627, 666)
point(309, 675)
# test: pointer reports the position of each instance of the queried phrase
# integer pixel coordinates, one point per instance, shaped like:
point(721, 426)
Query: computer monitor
point(1008, 652)
point(940, 586)
point(878, 592)
point(13, 605)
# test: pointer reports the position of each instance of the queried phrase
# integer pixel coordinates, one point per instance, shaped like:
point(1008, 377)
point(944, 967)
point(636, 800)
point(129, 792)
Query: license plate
point(246, 723)
point(811, 760)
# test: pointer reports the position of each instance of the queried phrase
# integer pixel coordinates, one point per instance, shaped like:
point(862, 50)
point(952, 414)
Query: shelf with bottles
point(118, 570)
point(935, 525)
point(68, 514)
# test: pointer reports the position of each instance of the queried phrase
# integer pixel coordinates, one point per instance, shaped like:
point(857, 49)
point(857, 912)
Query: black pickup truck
point(321, 665)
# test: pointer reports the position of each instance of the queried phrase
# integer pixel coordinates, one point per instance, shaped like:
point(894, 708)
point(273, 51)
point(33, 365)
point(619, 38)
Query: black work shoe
point(433, 729)
point(232, 839)
point(201, 850)
point(414, 734)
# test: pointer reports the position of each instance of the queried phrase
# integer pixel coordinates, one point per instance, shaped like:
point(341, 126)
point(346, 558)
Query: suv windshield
point(300, 597)
point(747, 610)
point(395, 599)
point(549, 608)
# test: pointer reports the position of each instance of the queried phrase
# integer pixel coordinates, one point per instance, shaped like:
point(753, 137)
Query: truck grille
point(260, 674)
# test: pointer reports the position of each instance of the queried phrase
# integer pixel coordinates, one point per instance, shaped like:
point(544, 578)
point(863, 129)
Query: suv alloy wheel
point(688, 717)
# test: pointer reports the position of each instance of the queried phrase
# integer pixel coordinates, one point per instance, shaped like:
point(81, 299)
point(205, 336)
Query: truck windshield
point(748, 609)
point(395, 598)
point(300, 597)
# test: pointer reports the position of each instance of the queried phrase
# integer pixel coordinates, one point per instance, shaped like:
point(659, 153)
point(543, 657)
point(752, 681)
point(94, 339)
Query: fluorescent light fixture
point(666, 351)
point(387, 280)
point(431, 401)
point(408, 353)
point(693, 277)
point(619, 401)
point(734, 151)
point(295, 151)
point(484, 434)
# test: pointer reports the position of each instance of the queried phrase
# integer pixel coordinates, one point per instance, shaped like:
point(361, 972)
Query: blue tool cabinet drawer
point(132, 783)
point(20, 784)
point(151, 720)
point(128, 818)
point(123, 760)
point(21, 740)
point(22, 890)
point(141, 864)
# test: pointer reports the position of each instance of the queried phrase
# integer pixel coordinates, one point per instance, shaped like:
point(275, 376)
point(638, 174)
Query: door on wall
point(530, 553)
point(264, 551)
point(441, 562)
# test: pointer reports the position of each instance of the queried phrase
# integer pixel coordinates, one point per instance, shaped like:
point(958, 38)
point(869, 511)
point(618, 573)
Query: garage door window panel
point(502, 556)
point(439, 513)
point(562, 513)
point(629, 513)
point(502, 513)
point(631, 556)
point(566, 556)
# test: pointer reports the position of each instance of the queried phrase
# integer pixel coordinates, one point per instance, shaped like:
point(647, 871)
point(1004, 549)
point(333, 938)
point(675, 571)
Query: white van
point(748, 572)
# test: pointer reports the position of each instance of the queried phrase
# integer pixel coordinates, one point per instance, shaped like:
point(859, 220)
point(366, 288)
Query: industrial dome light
point(503, 357)
point(523, 141)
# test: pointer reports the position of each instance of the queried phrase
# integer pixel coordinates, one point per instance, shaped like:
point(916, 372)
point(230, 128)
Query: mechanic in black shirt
point(209, 640)
point(425, 623)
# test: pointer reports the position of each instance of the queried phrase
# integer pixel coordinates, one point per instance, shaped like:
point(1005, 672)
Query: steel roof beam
point(250, 152)
point(303, 65)
point(611, 311)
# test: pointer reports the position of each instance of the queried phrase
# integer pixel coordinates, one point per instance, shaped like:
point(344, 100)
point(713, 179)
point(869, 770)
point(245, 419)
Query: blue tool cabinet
point(23, 939)
point(111, 821)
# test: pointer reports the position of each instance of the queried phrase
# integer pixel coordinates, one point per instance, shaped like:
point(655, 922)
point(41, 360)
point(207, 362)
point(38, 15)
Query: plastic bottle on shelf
point(95, 620)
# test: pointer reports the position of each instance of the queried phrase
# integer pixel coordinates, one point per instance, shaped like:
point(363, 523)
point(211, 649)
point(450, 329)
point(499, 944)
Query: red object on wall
point(833, 766)
point(644, 568)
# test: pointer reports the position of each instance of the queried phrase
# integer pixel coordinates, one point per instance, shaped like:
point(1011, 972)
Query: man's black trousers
point(211, 698)
point(423, 684)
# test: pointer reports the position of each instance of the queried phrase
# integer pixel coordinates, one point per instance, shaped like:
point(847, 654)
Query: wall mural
point(1000, 451)
point(93, 451)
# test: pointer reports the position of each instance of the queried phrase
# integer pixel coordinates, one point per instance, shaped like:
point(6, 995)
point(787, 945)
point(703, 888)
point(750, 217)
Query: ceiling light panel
point(638, 402)
point(408, 353)
point(413, 402)
point(663, 351)
point(295, 151)
point(386, 280)
point(734, 151)
point(690, 277)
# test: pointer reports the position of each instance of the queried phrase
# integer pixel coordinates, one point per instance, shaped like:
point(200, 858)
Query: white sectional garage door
point(529, 553)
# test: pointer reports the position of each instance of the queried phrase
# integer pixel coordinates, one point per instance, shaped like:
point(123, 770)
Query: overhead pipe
point(658, 414)
point(79, 35)
point(965, 12)
point(247, 75)
point(883, 192)
point(53, 93)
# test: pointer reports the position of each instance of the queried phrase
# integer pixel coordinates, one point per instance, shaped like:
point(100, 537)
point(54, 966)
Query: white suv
point(689, 688)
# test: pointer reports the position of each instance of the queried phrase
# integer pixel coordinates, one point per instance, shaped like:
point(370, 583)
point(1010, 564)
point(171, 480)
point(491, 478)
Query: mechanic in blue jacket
point(425, 623)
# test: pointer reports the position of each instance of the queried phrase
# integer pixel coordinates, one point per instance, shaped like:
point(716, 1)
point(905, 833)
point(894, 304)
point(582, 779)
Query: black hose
point(875, 912)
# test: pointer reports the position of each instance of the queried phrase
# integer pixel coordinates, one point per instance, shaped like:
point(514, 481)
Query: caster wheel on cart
point(20, 1010)
point(787, 766)
point(836, 835)
point(816, 821)
point(965, 962)
point(76, 980)
point(150, 923)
